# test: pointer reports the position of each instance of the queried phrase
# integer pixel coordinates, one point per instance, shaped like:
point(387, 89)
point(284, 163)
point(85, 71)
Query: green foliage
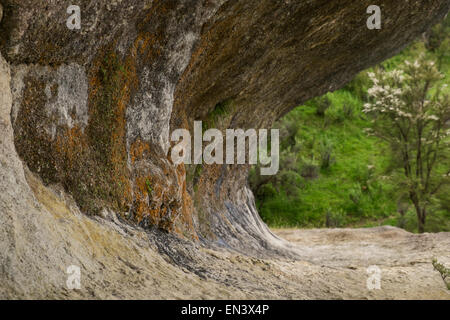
point(332, 173)
point(438, 41)
point(326, 154)
point(218, 114)
point(326, 166)
point(358, 86)
point(149, 187)
point(443, 271)
point(410, 112)
point(335, 219)
point(322, 105)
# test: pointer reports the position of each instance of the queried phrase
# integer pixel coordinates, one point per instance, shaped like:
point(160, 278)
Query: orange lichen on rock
point(185, 221)
point(160, 195)
point(139, 150)
point(88, 157)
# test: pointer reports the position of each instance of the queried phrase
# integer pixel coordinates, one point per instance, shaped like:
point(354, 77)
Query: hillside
point(332, 172)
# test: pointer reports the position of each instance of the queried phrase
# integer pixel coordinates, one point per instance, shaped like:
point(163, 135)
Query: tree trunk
point(421, 215)
point(421, 212)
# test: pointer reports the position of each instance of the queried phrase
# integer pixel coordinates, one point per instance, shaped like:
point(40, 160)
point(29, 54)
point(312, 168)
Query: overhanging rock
point(93, 108)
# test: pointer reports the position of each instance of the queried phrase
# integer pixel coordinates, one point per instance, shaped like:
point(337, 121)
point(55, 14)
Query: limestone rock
point(92, 109)
point(89, 112)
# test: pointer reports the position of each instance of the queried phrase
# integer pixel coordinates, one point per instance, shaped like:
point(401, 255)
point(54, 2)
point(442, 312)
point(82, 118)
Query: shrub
point(347, 110)
point(326, 154)
point(443, 271)
point(322, 105)
point(335, 219)
point(359, 85)
point(309, 171)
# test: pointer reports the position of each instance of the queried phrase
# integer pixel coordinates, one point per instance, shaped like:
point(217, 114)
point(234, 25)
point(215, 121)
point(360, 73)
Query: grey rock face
point(93, 108)
point(66, 91)
point(22, 233)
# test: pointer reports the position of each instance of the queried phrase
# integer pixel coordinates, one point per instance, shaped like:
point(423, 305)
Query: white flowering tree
point(411, 111)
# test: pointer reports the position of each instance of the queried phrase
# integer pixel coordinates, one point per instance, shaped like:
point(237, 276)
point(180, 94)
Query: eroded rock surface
point(93, 108)
point(90, 111)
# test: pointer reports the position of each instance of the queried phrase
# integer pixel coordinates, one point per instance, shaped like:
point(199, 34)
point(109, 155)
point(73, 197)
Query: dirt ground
point(404, 260)
point(118, 261)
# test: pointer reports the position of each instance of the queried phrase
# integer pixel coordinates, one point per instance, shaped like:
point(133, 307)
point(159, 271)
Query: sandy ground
point(121, 262)
point(404, 260)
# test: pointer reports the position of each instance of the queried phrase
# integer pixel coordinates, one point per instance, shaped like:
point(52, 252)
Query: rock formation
point(89, 111)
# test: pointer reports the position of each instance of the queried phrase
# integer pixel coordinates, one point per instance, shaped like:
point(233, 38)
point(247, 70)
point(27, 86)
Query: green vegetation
point(333, 173)
point(410, 113)
point(220, 112)
point(149, 187)
point(443, 271)
point(193, 173)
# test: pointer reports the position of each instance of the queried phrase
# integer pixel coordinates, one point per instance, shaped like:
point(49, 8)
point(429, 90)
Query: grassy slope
point(354, 190)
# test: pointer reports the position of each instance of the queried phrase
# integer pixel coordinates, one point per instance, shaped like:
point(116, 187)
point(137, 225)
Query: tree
point(411, 111)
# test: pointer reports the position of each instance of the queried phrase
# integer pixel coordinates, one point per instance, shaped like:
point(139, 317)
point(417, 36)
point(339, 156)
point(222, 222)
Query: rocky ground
point(173, 62)
point(122, 262)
